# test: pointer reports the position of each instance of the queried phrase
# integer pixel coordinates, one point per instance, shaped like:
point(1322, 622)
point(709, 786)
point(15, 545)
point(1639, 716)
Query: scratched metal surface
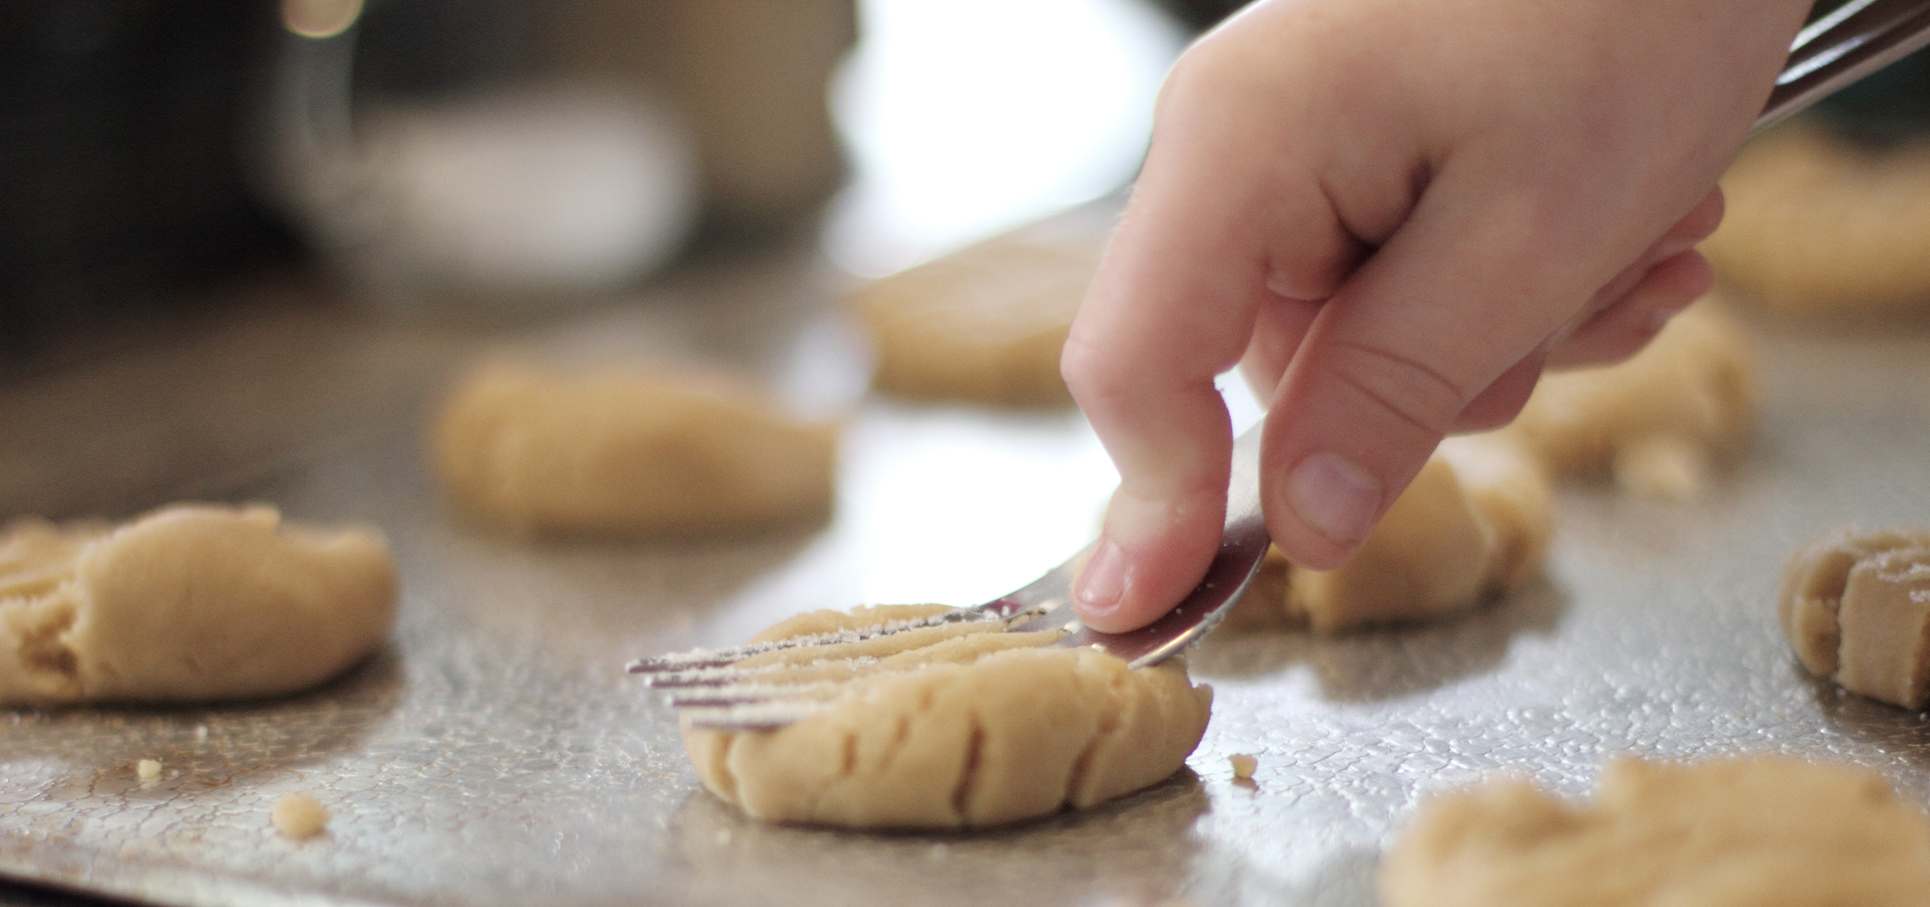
point(496, 754)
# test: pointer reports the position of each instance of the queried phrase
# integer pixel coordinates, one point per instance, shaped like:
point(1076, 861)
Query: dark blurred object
point(118, 138)
point(1200, 15)
point(430, 49)
point(128, 128)
point(1885, 108)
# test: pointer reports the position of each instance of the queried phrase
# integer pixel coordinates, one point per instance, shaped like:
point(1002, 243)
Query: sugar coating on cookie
point(1473, 524)
point(1818, 224)
point(627, 449)
point(1856, 610)
point(1719, 833)
point(958, 726)
point(984, 324)
point(1659, 423)
point(298, 816)
point(187, 603)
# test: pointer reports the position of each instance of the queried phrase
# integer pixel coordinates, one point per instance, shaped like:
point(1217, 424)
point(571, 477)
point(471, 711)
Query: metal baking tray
point(496, 752)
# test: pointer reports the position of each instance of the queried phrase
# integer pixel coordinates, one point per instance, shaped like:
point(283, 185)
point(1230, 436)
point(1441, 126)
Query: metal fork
point(1832, 53)
point(712, 689)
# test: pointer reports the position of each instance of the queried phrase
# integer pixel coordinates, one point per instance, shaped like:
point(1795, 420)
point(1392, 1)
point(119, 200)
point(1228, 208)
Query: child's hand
point(1394, 214)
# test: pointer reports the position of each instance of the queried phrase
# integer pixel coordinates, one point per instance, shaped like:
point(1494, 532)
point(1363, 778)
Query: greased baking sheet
point(496, 753)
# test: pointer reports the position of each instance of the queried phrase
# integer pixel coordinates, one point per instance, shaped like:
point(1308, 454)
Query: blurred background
point(502, 157)
point(433, 155)
point(304, 199)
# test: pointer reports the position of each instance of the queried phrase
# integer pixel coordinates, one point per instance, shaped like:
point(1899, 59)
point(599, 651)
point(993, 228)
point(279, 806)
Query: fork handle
point(1832, 53)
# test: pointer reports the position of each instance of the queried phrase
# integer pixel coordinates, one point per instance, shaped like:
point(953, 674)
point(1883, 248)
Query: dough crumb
point(298, 816)
point(148, 769)
point(1244, 765)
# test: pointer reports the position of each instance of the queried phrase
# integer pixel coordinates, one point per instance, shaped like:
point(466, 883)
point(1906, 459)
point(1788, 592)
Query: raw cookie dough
point(1474, 524)
point(953, 727)
point(1761, 832)
point(1660, 421)
point(188, 603)
point(298, 816)
point(1818, 224)
point(627, 449)
point(1856, 608)
point(984, 324)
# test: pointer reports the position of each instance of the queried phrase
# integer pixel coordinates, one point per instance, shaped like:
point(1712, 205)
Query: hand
point(1394, 215)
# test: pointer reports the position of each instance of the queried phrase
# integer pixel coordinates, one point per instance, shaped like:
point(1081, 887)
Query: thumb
point(1471, 285)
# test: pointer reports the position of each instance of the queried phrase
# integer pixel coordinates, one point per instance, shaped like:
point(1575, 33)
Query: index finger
point(1173, 306)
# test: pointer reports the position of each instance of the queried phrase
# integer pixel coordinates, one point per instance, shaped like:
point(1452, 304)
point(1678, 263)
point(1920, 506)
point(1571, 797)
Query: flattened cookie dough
point(984, 324)
point(953, 727)
point(1474, 523)
point(1660, 422)
point(1856, 608)
point(1816, 224)
point(627, 450)
point(1724, 833)
point(188, 603)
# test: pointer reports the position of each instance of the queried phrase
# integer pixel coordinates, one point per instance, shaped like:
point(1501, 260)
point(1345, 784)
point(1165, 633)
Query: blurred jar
point(575, 166)
point(749, 78)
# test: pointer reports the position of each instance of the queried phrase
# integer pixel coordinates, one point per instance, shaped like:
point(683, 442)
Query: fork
point(713, 689)
point(717, 693)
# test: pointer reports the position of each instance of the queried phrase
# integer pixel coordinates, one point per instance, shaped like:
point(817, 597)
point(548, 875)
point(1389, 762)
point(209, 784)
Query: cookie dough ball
point(1722, 833)
point(188, 603)
point(983, 325)
point(1856, 608)
point(1660, 422)
point(1473, 524)
point(1816, 224)
point(627, 450)
point(956, 726)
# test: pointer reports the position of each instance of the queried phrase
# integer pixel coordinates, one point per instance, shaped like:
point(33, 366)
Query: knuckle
point(1208, 69)
point(1493, 410)
point(1401, 384)
point(1091, 373)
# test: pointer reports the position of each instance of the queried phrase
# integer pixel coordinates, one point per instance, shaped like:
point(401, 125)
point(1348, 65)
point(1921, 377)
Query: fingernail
point(1334, 497)
point(1102, 584)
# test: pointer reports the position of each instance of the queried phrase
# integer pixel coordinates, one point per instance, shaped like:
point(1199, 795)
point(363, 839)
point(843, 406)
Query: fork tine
point(698, 659)
point(749, 693)
point(765, 715)
point(1838, 49)
point(703, 660)
point(728, 675)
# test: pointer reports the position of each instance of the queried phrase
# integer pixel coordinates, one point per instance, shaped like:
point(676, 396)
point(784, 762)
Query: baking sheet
point(496, 753)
